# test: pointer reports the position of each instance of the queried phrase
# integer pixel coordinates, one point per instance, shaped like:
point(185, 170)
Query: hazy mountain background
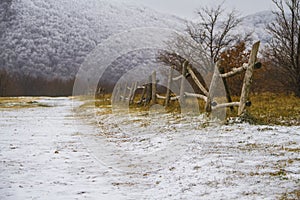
point(49, 39)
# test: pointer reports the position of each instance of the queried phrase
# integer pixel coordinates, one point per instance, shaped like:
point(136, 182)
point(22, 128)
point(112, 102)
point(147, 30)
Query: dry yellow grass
point(20, 102)
point(273, 109)
point(266, 108)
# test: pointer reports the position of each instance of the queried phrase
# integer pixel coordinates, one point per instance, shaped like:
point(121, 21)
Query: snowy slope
point(256, 23)
point(48, 38)
point(52, 38)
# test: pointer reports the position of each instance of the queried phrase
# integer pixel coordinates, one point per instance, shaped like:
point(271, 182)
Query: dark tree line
point(26, 85)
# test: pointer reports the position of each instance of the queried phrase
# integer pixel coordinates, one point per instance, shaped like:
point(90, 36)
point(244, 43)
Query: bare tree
point(284, 48)
point(215, 30)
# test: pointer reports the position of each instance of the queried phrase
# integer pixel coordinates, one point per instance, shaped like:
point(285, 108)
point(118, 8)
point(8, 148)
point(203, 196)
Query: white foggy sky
point(187, 8)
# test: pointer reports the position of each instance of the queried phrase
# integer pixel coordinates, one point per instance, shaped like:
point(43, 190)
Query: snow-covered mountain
point(51, 38)
point(256, 23)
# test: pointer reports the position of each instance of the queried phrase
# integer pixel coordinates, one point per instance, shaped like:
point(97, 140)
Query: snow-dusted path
point(42, 156)
point(47, 153)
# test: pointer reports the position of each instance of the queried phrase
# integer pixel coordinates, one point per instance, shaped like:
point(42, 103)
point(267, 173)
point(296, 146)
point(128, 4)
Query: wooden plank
point(196, 95)
point(224, 105)
point(168, 93)
point(248, 79)
point(171, 98)
point(160, 97)
point(175, 98)
point(177, 78)
point(196, 80)
point(235, 71)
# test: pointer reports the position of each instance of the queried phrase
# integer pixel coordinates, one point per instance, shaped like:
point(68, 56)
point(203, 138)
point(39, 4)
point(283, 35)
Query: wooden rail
point(149, 94)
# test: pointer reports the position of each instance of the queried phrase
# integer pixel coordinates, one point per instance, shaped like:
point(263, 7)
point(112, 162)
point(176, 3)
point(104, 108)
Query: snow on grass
point(175, 157)
point(53, 152)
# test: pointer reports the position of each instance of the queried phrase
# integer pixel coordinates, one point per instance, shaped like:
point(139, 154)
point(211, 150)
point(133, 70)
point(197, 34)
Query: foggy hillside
point(52, 38)
point(49, 39)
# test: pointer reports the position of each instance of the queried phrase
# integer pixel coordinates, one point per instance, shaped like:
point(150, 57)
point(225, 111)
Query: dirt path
point(42, 156)
point(48, 153)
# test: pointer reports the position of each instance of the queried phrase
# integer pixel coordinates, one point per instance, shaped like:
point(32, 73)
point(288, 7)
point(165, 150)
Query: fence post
point(196, 80)
point(248, 79)
point(143, 93)
point(168, 87)
point(184, 69)
point(227, 90)
point(212, 88)
point(124, 92)
point(148, 91)
point(133, 93)
point(154, 87)
point(116, 96)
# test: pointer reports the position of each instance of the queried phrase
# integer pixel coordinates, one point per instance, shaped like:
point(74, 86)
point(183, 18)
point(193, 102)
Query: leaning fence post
point(227, 90)
point(248, 79)
point(143, 93)
point(169, 86)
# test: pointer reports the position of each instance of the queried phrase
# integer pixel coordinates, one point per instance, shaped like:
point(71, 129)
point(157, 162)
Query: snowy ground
point(55, 152)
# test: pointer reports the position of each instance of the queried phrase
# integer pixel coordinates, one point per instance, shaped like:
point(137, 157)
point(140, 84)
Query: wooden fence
point(149, 95)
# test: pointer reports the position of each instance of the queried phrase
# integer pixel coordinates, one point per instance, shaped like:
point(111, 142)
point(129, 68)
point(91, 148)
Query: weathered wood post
point(133, 93)
point(143, 94)
point(153, 98)
point(196, 80)
point(148, 91)
point(182, 89)
point(248, 79)
point(116, 96)
point(168, 93)
point(227, 90)
point(212, 88)
point(124, 92)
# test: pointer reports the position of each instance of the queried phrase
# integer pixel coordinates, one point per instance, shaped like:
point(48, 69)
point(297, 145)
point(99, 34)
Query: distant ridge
point(51, 38)
point(47, 39)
